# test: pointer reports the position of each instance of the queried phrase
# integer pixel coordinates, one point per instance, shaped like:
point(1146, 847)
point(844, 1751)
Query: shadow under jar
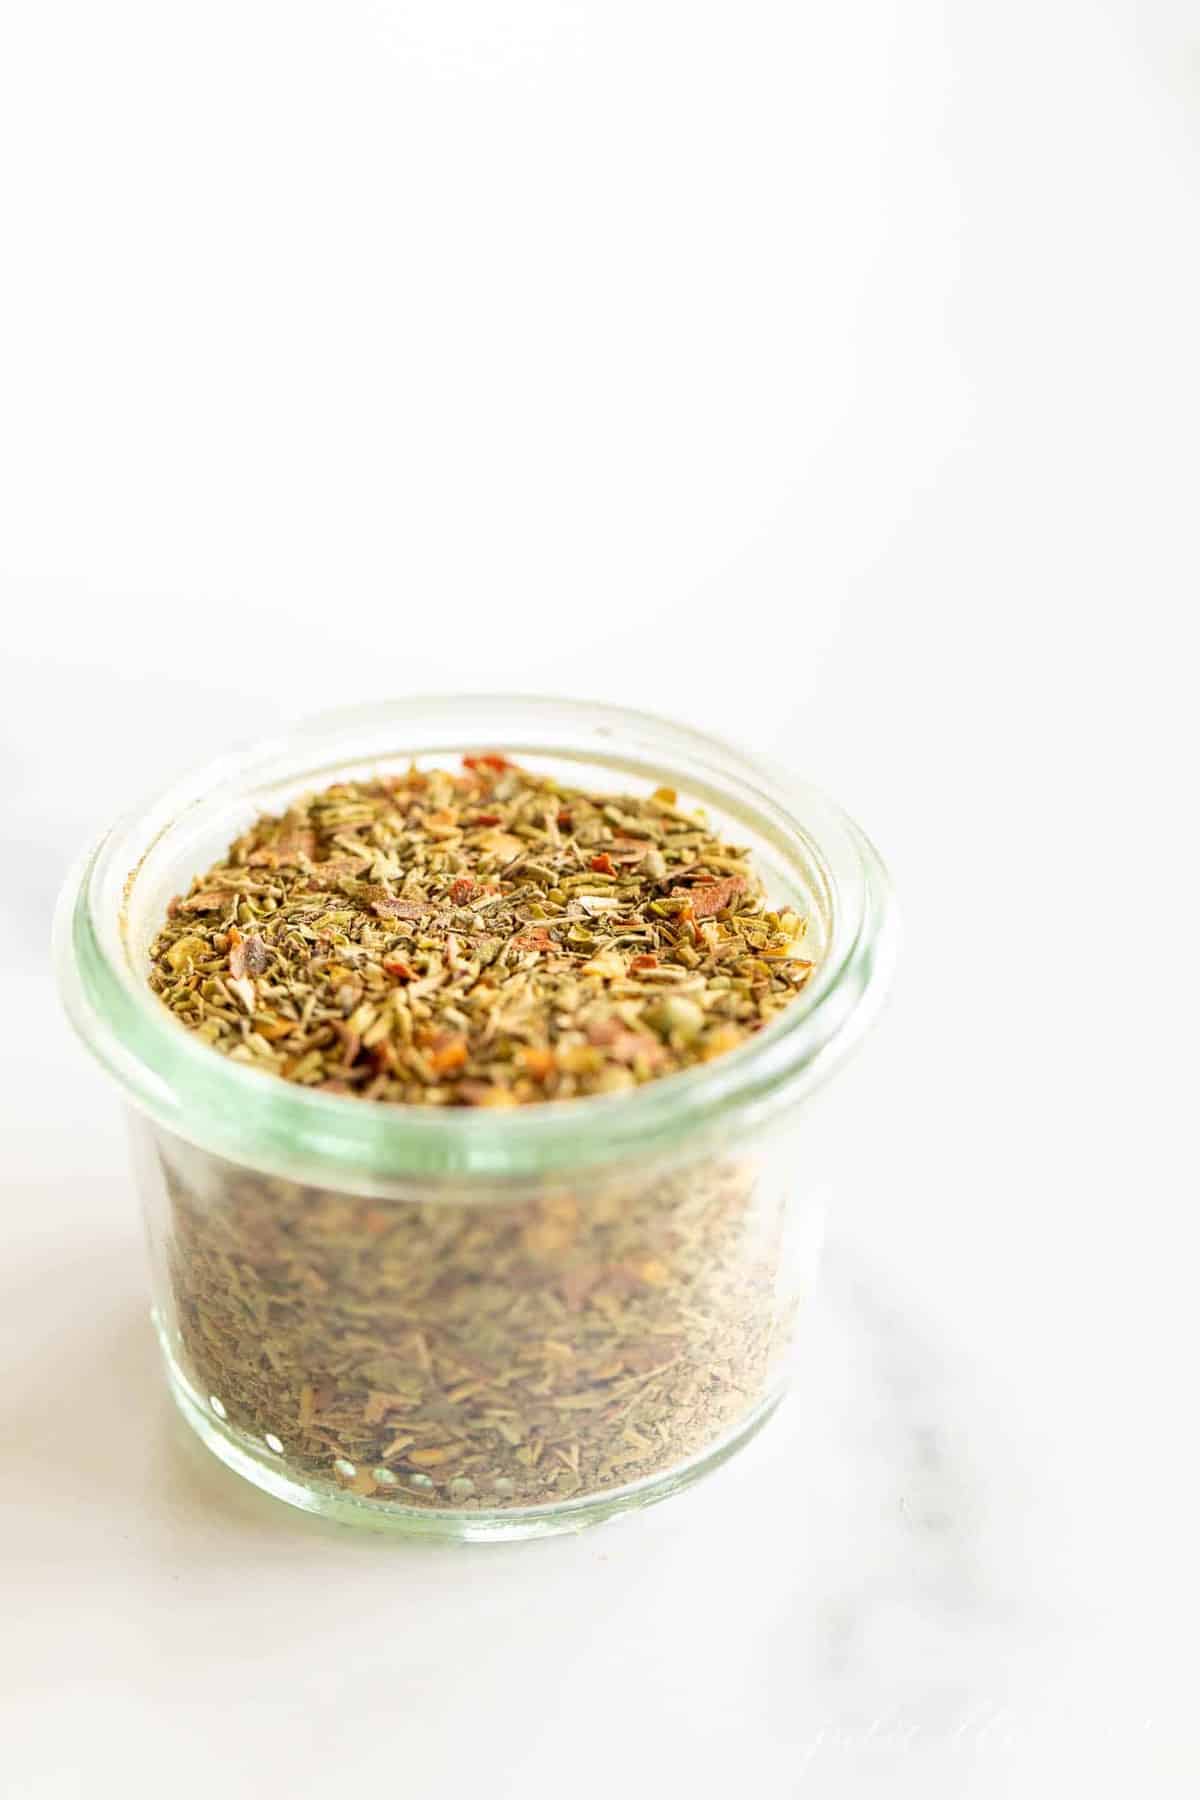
point(479, 1323)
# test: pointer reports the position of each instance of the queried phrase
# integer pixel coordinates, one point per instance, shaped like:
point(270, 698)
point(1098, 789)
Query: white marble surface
point(827, 377)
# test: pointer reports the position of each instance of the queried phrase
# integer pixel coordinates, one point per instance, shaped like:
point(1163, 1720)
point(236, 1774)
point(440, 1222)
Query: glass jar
point(471, 1322)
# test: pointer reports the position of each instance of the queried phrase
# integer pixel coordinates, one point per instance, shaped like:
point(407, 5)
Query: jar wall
point(481, 1360)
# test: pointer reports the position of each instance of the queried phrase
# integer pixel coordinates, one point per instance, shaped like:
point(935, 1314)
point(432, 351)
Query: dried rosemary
point(489, 938)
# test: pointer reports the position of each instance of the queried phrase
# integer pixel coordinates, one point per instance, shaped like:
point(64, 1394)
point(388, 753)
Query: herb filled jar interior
point(486, 936)
point(512, 1271)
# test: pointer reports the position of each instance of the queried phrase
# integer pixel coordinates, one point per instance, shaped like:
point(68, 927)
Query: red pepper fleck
point(715, 896)
point(449, 1053)
point(402, 970)
point(489, 761)
point(538, 1062)
point(486, 819)
point(603, 864)
point(461, 890)
point(643, 962)
point(538, 938)
point(565, 822)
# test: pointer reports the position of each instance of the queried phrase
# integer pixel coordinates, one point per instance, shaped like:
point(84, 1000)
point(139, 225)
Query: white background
point(826, 375)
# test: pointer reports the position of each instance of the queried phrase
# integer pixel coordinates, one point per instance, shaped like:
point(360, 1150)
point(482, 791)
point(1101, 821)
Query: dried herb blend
point(488, 939)
point(483, 938)
point(480, 1356)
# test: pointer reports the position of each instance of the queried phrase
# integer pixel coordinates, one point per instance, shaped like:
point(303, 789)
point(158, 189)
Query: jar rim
point(253, 1117)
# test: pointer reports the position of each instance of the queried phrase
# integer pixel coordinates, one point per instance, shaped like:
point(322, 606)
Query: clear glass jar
point(478, 1323)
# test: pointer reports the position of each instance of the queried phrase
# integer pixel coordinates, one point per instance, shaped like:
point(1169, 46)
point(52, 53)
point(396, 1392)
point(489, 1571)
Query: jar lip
point(251, 1116)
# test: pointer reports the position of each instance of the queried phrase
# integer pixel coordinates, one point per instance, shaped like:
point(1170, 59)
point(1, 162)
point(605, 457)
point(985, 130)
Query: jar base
point(259, 1465)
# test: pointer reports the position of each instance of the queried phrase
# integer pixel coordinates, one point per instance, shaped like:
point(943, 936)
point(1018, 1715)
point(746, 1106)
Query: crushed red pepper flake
point(489, 761)
point(537, 939)
point(448, 1054)
point(713, 897)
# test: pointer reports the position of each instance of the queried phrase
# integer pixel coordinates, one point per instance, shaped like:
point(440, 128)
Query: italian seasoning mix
point(481, 938)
